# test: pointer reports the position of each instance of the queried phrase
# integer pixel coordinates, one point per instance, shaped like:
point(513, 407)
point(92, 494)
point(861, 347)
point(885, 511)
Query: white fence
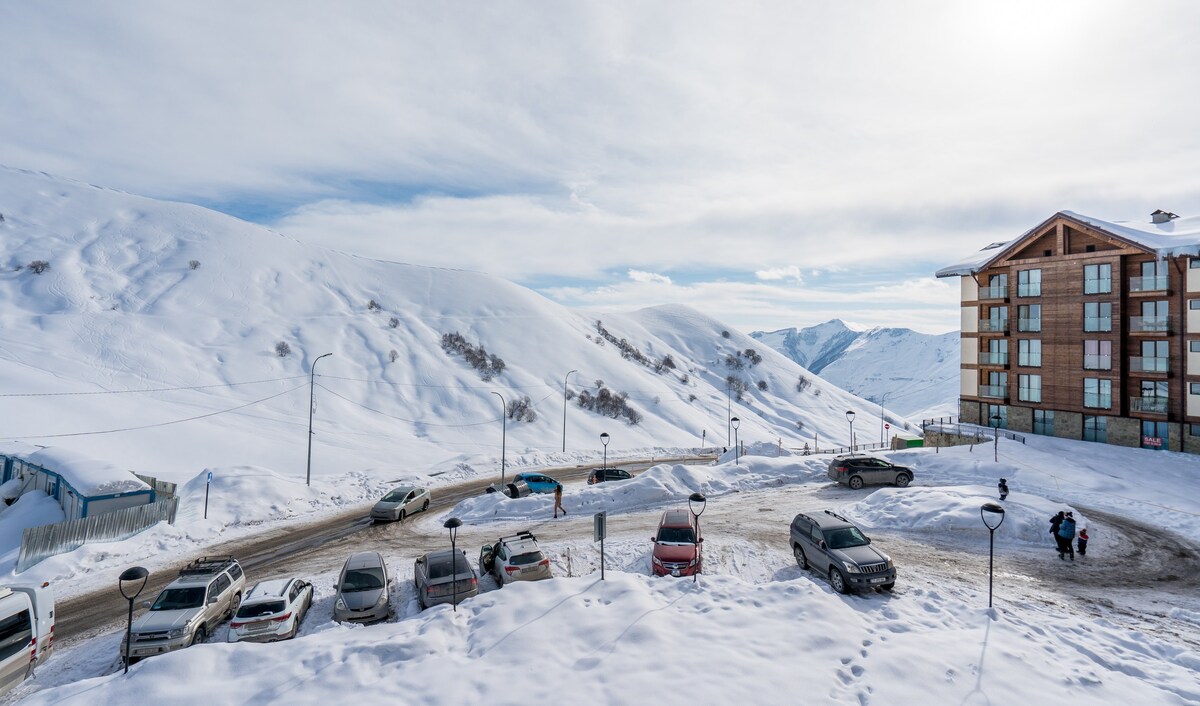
point(38, 543)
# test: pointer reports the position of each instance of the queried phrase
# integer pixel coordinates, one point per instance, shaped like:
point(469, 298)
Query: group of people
point(1062, 528)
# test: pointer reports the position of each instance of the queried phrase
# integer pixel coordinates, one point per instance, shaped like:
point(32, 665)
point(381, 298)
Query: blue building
point(82, 486)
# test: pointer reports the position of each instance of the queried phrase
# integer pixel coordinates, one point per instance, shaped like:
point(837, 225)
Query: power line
point(153, 389)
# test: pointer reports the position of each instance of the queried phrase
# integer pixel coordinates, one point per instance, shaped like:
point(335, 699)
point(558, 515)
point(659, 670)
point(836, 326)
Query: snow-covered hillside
point(159, 323)
point(915, 375)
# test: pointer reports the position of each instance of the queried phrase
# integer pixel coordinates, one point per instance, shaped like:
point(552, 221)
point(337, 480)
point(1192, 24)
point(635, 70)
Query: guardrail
point(838, 450)
point(968, 430)
point(38, 543)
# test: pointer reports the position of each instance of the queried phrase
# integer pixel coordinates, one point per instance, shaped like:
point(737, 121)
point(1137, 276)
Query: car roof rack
point(834, 514)
point(207, 565)
point(525, 534)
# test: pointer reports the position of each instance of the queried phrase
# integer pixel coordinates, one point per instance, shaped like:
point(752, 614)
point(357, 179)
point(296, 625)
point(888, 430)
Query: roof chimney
point(1161, 216)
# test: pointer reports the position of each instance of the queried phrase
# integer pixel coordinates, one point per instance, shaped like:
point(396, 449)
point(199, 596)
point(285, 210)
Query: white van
point(26, 632)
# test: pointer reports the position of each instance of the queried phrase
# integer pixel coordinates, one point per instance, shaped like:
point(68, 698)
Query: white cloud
point(648, 277)
point(776, 273)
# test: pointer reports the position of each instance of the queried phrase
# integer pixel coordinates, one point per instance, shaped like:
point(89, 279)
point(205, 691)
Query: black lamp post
point(996, 419)
point(503, 435)
point(991, 512)
point(850, 418)
point(565, 408)
point(312, 379)
point(736, 449)
point(728, 412)
point(604, 440)
point(696, 499)
point(125, 583)
point(453, 524)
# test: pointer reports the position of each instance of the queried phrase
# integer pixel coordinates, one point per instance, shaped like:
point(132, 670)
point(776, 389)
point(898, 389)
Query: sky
point(772, 164)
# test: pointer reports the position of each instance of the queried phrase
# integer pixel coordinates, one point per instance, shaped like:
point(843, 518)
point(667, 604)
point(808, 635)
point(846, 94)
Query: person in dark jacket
point(1003, 486)
point(1083, 540)
point(1054, 525)
point(1066, 533)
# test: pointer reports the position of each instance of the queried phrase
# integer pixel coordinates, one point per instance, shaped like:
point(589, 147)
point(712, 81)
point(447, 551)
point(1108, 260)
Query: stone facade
point(1124, 431)
point(1068, 425)
point(1020, 419)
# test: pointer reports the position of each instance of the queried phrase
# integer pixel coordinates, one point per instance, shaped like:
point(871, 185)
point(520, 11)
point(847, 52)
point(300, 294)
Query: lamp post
point(453, 524)
point(312, 377)
point(128, 577)
point(503, 435)
point(996, 419)
point(694, 500)
point(728, 413)
point(736, 450)
point(565, 409)
point(991, 511)
point(604, 440)
point(850, 418)
point(882, 414)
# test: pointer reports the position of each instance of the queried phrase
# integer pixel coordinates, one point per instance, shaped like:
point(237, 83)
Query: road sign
point(887, 426)
point(599, 526)
point(210, 476)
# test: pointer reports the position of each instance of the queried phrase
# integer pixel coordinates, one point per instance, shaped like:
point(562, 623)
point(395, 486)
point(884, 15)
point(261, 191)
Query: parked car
point(362, 589)
point(677, 545)
point(515, 558)
point(833, 546)
point(859, 470)
point(271, 611)
point(26, 632)
point(399, 503)
point(600, 475)
point(187, 611)
point(537, 482)
point(439, 580)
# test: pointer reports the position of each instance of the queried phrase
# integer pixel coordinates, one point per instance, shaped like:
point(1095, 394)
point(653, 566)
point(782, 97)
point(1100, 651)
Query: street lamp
point(991, 511)
point(735, 422)
point(696, 499)
point(453, 524)
point(604, 440)
point(728, 412)
point(996, 419)
point(850, 418)
point(312, 377)
point(503, 434)
point(882, 414)
point(565, 409)
point(128, 577)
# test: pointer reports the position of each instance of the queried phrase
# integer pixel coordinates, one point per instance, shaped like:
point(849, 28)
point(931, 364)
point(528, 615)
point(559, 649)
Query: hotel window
point(1043, 422)
point(1194, 304)
point(1097, 316)
point(1097, 393)
point(997, 410)
point(1029, 352)
point(1029, 317)
point(1155, 435)
point(1194, 346)
point(1029, 283)
point(1194, 388)
point(1029, 388)
point(1095, 428)
point(1097, 355)
point(1154, 277)
point(1097, 279)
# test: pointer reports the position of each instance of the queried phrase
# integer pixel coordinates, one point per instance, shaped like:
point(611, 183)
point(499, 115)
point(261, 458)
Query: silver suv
point(834, 547)
point(187, 611)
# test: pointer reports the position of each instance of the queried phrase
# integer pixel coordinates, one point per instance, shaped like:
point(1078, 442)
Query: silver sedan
point(399, 503)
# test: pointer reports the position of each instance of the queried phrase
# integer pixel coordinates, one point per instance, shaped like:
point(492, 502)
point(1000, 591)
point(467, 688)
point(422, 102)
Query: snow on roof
point(88, 476)
point(1180, 236)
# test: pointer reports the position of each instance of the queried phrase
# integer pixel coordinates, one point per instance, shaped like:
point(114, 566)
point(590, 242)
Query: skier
point(1003, 485)
point(1066, 533)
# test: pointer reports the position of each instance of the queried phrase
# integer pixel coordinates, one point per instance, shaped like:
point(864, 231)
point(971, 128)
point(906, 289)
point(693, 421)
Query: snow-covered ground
point(754, 627)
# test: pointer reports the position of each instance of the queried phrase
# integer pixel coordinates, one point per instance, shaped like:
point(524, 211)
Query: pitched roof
point(1180, 236)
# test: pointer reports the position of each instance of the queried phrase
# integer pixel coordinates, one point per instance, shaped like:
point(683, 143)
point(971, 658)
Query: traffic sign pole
point(206, 486)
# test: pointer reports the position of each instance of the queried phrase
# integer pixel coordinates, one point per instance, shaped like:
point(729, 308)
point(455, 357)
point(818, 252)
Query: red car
point(677, 546)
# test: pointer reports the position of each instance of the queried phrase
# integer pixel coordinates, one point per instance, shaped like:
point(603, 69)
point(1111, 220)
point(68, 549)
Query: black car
point(600, 475)
point(857, 471)
point(833, 546)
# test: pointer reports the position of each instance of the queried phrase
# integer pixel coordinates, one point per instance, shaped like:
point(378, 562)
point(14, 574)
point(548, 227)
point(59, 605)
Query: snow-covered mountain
point(168, 318)
point(913, 374)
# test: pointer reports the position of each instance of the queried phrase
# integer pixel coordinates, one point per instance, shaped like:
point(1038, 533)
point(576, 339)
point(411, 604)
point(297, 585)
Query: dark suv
point(601, 475)
point(857, 471)
point(833, 546)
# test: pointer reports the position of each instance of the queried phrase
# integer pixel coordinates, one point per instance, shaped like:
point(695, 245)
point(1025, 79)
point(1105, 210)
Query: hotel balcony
point(1141, 364)
point(1154, 405)
point(1148, 324)
point(993, 325)
point(996, 391)
point(1156, 283)
point(993, 358)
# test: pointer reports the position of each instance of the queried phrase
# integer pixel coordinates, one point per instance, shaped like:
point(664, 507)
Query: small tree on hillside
point(282, 349)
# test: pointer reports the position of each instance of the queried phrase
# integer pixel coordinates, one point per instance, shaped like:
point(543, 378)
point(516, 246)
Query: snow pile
point(248, 495)
point(33, 509)
point(88, 476)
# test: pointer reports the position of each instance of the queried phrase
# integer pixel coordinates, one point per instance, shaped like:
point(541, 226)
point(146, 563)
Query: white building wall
point(969, 383)
point(970, 289)
point(970, 319)
point(1193, 405)
point(1193, 319)
point(1193, 279)
point(970, 350)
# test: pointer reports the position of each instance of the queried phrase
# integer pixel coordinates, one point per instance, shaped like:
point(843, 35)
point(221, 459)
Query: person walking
point(1003, 486)
point(1055, 523)
point(558, 506)
point(1066, 534)
point(1083, 539)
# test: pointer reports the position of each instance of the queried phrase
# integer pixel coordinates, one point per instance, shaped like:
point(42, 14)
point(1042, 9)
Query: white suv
point(515, 558)
point(187, 611)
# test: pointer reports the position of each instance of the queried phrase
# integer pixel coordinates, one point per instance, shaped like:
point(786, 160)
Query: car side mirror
point(823, 546)
point(700, 541)
point(213, 600)
point(653, 539)
point(146, 604)
point(868, 540)
point(335, 587)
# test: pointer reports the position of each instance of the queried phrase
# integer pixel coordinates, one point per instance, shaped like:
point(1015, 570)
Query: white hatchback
point(272, 610)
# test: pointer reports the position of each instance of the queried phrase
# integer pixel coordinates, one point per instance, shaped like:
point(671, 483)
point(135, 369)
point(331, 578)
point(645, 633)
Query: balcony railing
point(1148, 324)
point(1097, 323)
point(993, 358)
point(1153, 283)
point(1029, 394)
point(993, 325)
point(1031, 289)
point(1097, 362)
point(1097, 400)
point(997, 391)
point(1029, 324)
point(1155, 405)
point(1029, 361)
point(1142, 364)
point(999, 291)
point(1097, 286)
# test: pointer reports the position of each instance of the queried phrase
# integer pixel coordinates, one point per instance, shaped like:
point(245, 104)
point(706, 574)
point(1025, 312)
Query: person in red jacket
point(1082, 542)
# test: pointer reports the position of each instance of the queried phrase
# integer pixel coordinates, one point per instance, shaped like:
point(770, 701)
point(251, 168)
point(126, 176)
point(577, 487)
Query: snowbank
point(32, 509)
point(89, 476)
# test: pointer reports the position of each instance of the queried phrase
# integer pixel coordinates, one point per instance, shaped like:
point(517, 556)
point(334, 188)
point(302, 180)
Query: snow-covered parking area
point(1101, 629)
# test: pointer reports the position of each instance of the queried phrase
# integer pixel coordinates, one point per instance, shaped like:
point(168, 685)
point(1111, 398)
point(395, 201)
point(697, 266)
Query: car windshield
point(179, 598)
point(440, 568)
point(527, 558)
point(362, 580)
point(845, 538)
point(676, 535)
point(257, 610)
point(395, 496)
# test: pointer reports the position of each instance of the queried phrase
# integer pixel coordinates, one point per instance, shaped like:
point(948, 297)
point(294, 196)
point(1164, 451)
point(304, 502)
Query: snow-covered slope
point(144, 297)
point(914, 375)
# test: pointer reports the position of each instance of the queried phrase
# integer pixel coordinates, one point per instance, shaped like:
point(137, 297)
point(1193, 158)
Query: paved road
point(292, 549)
